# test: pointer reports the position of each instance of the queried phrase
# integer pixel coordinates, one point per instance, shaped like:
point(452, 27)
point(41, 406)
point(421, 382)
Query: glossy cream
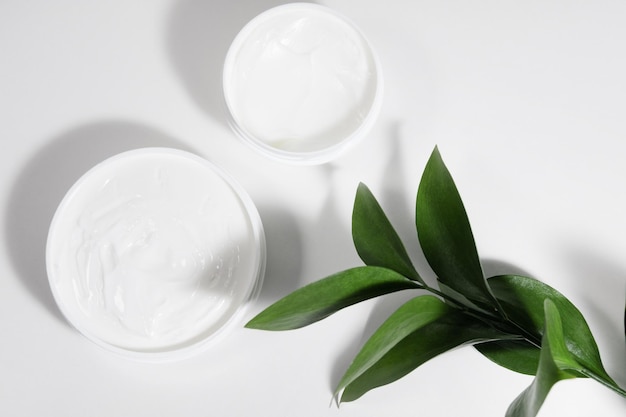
point(300, 78)
point(154, 250)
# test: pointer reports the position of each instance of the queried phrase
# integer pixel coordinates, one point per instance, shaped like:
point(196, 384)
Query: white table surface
point(526, 100)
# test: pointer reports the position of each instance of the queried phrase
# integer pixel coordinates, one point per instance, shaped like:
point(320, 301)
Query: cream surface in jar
point(154, 251)
point(301, 82)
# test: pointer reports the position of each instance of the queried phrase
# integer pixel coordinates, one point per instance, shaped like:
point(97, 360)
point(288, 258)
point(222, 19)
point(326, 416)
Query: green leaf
point(322, 298)
point(516, 355)
point(555, 364)
point(375, 239)
point(461, 300)
point(522, 300)
point(452, 328)
point(411, 316)
point(446, 236)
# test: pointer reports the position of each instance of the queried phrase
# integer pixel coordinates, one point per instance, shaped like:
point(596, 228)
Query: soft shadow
point(283, 271)
point(200, 33)
point(400, 206)
point(601, 284)
point(494, 267)
point(331, 234)
point(44, 181)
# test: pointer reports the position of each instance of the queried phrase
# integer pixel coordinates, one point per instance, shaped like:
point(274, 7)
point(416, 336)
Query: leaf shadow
point(45, 179)
point(330, 234)
point(493, 267)
point(400, 206)
point(601, 285)
point(198, 37)
point(283, 271)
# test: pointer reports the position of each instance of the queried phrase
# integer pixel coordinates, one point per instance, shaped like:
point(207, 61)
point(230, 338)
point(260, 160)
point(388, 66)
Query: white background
point(525, 99)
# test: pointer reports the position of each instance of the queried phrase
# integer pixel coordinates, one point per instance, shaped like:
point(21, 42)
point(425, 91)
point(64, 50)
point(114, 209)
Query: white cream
point(300, 78)
point(153, 250)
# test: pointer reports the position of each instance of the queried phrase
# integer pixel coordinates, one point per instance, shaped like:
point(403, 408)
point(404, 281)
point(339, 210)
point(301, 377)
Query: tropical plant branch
point(518, 322)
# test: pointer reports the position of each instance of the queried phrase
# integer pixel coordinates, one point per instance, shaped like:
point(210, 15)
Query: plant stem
point(609, 384)
point(501, 321)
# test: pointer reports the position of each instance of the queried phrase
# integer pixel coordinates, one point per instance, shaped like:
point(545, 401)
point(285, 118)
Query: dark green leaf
point(462, 300)
point(522, 300)
point(516, 355)
point(451, 329)
point(375, 239)
point(322, 298)
point(446, 236)
point(412, 315)
point(555, 364)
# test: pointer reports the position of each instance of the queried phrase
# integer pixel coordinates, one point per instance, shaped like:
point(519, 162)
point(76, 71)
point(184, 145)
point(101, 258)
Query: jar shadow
point(283, 268)
point(46, 178)
point(199, 35)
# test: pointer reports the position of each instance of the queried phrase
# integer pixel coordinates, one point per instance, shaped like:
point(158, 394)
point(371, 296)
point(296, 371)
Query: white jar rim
point(262, 84)
point(97, 321)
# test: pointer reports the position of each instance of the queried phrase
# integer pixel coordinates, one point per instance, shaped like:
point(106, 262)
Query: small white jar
point(302, 83)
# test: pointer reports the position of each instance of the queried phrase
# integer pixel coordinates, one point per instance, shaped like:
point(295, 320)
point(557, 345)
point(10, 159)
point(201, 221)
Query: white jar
point(154, 252)
point(301, 83)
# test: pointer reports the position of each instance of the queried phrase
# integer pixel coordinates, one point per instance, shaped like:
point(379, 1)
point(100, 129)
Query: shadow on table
point(46, 178)
point(284, 254)
point(601, 282)
point(198, 37)
point(329, 240)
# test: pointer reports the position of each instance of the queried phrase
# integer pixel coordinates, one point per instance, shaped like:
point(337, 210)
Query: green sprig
point(517, 322)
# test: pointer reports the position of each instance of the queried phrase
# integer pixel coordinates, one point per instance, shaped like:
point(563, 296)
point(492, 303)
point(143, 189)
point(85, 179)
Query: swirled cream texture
point(152, 250)
point(300, 78)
